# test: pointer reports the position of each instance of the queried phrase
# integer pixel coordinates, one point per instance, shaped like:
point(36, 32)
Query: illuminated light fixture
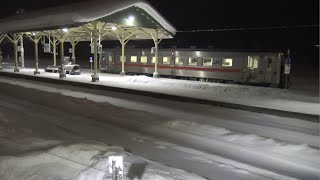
point(131, 19)
point(33, 34)
point(65, 30)
point(114, 28)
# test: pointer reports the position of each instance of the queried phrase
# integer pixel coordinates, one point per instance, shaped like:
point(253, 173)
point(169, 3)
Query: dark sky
point(217, 14)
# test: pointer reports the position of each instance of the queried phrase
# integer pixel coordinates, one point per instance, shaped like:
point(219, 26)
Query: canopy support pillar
point(14, 38)
point(36, 38)
point(95, 76)
point(62, 73)
point(2, 36)
point(156, 41)
point(123, 40)
point(74, 42)
point(54, 43)
point(22, 52)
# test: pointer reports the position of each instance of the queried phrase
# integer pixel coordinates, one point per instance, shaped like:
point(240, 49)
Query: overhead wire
point(248, 28)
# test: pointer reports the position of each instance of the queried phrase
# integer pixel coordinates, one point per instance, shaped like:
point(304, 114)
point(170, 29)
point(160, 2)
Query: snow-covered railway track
point(75, 114)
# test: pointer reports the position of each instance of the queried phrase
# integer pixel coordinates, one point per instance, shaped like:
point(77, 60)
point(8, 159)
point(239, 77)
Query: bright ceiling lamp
point(130, 20)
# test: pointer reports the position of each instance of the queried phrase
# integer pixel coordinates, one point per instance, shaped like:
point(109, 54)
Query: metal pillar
point(16, 69)
point(95, 76)
point(122, 59)
point(0, 59)
point(156, 42)
point(54, 42)
point(36, 55)
point(2, 36)
point(73, 58)
point(99, 53)
point(62, 74)
point(15, 39)
point(22, 51)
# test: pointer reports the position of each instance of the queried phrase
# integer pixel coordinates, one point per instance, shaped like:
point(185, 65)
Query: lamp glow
point(114, 28)
point(65, 30)
point(131, 18)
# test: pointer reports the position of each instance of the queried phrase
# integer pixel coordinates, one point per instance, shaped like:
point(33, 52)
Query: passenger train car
point(261, 68)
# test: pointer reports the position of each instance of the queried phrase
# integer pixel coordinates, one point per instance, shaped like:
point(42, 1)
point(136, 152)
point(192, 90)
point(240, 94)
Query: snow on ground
point(23, 157)
point(197, 128)
point(234, 144)
point(274, 98)
point(84, 162)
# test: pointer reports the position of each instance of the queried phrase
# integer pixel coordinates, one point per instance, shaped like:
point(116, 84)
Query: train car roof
point(203, 49)
point(77, 14)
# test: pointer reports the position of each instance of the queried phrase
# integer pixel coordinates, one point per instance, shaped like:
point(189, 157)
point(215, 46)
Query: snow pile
point(302, 151)
point(140, 79)
point(84, 162)
point(213, 89)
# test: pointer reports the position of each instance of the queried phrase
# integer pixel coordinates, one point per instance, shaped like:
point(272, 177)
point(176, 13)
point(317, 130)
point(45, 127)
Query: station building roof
point(132, 18)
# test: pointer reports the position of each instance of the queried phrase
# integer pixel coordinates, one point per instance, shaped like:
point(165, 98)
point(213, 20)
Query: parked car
point(72, 69)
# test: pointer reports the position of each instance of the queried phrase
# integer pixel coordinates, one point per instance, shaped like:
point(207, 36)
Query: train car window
point(192, 61)
point(144, 59)
point(133, 59)
point(255, 63)
point(250, 62)
point(178, 61)
point(207, 61)
point(153, 60)
point(166, 60)
point(227, 62)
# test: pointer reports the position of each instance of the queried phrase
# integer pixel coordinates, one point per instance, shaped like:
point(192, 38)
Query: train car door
point(269, 64)
point(255, 72)
point(261, 69)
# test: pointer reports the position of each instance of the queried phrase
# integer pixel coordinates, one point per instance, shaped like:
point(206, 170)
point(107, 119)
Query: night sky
point(225, 14)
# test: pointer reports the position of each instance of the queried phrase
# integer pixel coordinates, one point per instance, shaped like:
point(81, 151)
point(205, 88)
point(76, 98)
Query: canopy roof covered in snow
point(132, 19)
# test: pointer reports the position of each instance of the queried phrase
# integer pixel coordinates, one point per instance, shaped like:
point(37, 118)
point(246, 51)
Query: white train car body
point(210, 65)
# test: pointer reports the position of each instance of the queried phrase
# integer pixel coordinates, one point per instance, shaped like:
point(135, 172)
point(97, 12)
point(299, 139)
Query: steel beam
point(22, 51)
point(2, 36)
point(95, 76)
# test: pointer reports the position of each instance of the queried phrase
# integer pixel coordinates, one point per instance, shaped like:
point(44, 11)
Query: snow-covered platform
point(259, 99)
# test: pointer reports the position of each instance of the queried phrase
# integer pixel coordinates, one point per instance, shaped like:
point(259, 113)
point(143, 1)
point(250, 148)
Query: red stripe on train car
point(184, 68)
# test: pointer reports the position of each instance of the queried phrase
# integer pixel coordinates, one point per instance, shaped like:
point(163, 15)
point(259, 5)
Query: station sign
point(99, 48)
point(153, 50)
point(287, 68)
point(46, 48)
point(117, 162)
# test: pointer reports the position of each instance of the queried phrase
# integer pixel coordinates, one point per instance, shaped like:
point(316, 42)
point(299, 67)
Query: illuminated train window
point(166, 60)
point(227, 62)
point(144, 59)
point(153, 60)
point(192, 61)
point(178, 61)
point(133, 59)
point(207, 61)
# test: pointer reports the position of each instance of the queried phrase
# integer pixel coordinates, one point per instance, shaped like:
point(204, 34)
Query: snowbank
point(84, 162)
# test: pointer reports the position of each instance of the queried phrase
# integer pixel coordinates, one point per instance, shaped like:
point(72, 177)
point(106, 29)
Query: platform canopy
point(113, 19)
